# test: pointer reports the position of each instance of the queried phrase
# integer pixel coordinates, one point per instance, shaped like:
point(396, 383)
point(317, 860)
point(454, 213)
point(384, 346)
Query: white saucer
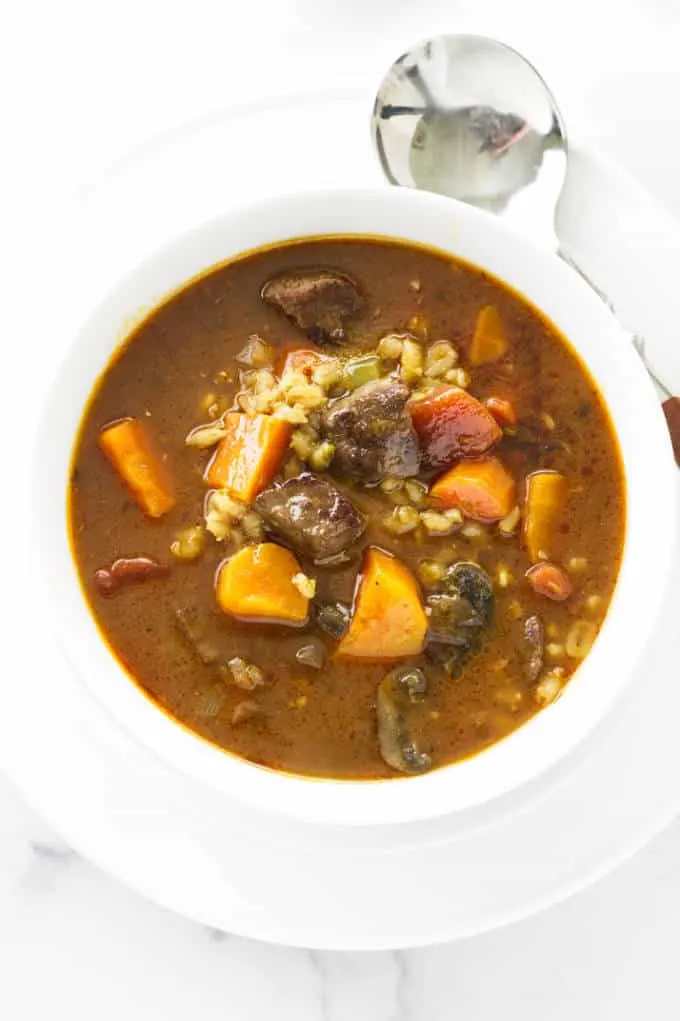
point(211, 859)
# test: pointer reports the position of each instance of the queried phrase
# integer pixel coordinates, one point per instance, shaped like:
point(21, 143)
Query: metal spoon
point(469, 117)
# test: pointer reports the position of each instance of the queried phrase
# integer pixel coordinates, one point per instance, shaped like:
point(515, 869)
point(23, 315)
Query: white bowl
point(652, 510)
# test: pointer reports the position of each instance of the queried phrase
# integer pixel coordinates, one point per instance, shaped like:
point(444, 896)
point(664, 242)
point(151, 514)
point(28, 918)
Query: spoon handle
point(671, 404)
point(671, 409)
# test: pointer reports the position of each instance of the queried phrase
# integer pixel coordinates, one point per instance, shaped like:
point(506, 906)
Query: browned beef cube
point(318, 301)
point(312, 515)
point(372, 432)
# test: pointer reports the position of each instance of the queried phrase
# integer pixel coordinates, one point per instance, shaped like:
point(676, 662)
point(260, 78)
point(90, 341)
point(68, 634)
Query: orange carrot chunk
point(451, 424)
point(489, 342)
point(545, 496)
point(483, 490)
point(257, 584)
point(131, 452)
point(550, 580)
point(502, 411)
point(388, 621)
point(248, 457)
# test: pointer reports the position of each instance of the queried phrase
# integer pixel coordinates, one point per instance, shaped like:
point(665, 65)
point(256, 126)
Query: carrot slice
point(131, 452)
point(248, 457)
point(544, 500)
point(502, 410)
point(489, 342)
point(451, 423)
point(257, 584)
point(388, 620)
point(484, 490)
point(550, 580)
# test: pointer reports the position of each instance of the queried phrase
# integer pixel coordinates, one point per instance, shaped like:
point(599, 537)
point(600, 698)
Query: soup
point(348, 508)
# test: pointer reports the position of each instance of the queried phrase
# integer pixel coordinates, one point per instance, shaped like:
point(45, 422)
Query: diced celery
point(358, 371)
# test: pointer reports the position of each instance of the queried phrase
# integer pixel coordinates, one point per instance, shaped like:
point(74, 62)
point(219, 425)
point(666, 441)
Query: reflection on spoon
point(470, 118)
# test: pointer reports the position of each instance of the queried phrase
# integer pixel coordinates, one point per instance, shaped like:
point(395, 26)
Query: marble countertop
point(89, 82)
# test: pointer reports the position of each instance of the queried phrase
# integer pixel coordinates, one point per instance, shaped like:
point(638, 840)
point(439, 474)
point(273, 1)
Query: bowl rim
point(543, 740)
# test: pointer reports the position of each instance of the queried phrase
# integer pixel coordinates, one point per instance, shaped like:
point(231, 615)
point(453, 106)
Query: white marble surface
point(84, 83)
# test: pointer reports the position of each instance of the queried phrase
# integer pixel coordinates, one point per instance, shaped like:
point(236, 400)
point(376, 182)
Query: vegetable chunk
point(257, 584)
point(299, 359)
point(402, 688)
point(489, 342)
point(388, 620)
point(483, 490)
point(550, 580)
point(249, 455)
point(502, 410)
point(460, 611)
point(544, 501)
point(131, 452)
point(451, 424)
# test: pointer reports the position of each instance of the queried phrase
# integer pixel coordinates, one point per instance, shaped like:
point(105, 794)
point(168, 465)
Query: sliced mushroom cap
point(458, 611)
point(333, 618)
point(451, 618)
point(473, 583)
point(398, 691)
point(319, 302)
point(534, 642)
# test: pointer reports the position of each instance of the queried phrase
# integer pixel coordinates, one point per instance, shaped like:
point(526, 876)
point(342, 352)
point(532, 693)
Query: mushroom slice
point(534, 641)
point(333, 618)
point(474, 584)
point(398, 691)
point(459, 611)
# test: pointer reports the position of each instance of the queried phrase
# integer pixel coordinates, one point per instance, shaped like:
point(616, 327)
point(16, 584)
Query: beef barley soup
point(348, 508)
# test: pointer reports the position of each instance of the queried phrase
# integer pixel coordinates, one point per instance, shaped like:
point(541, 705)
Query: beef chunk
point(311, 514)
point(372, 432)
point(318, 301)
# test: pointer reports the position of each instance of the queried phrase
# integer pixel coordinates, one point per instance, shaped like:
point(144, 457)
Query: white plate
point(212, 859)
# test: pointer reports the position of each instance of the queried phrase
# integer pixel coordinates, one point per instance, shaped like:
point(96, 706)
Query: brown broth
point(322, 722)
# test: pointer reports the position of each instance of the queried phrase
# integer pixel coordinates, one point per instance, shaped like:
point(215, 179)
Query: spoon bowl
point(470, 118)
